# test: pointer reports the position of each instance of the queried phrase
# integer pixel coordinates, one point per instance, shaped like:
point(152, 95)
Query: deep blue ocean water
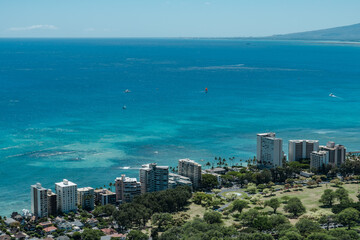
point(62, 116)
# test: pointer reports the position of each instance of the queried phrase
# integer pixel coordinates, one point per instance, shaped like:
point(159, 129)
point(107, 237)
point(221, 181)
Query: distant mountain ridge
point(345, 33)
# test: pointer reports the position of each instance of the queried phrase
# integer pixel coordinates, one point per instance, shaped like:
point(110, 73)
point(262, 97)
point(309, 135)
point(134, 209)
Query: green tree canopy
point(295, 207)
point(274, 203)
point(239, 205)
point(307, 226)
point(328, 197)
point(212, 217)
point(348, 217)
point(209, 181)
point(162, 220)
point(137, 235)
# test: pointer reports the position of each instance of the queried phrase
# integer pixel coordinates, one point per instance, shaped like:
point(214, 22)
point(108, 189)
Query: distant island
point(350, 33)
point(345, 33)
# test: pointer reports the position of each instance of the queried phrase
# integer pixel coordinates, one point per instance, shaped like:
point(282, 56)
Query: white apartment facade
point(319, 159)
point(66, 196)
point(269, 150)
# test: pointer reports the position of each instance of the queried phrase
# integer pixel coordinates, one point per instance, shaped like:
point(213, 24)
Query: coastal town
point(308, 194)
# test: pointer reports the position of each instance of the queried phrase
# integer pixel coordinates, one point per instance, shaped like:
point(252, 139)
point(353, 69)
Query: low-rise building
point(5, 237)
point(45, 224)
point(92, 222)
point(104, 196)
point(65, 226)
point(109, 231)
point(178, 180)
point(9, 221)
point(216, 170)
point(50, 229)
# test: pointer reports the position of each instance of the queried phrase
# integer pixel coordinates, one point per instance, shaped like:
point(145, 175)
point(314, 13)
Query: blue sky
point(171, 18)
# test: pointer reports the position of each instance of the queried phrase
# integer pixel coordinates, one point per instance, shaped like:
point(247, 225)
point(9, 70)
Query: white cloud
point(34, 27)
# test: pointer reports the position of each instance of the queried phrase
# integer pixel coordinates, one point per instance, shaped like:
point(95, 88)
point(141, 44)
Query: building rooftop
point(319, 152)
point(38, 186)
point(188, 160)
point(177, 177)
point(65, 183)
point(299, 141)
point(266, 134)
point(153, 165)
point(50, 193)
point(85, 189)
point(126, 179)
point(50, 229)
point(103, 191)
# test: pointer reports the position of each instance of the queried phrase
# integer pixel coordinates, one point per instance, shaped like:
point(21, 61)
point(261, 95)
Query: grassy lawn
point(194, 210)
point(234, 192)
point(310, 197)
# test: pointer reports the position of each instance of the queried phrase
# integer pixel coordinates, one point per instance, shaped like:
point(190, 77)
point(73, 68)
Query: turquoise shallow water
point(61, 104)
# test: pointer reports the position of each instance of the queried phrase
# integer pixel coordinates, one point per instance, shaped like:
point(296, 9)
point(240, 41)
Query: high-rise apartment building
point(85, 198)
point(301, 149)
point(153, 178)
point(190, 169)
point(66, 192)
point(337, 153)
point(269, 150)
point(319, 159)
point(39, 201)
point(52, 204)
point(126, 188)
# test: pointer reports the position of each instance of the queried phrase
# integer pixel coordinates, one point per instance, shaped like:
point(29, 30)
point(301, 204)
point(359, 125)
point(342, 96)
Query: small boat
point(331, 95)
point(127, 91)
point(124, 107)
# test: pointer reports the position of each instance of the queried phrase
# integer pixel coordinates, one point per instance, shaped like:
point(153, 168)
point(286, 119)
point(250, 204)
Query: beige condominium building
point(190, 169)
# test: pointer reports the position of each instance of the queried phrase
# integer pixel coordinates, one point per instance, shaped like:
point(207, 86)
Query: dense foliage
point(140, 210)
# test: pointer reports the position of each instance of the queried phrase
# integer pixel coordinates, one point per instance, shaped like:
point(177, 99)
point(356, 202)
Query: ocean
point(62, 104)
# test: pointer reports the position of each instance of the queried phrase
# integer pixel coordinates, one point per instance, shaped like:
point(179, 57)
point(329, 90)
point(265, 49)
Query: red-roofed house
point(119, 235)
point(50, 229)
point(45, 224)
point(108, 231)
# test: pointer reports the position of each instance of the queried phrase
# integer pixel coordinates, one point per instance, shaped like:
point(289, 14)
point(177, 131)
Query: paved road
point(225, 190)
